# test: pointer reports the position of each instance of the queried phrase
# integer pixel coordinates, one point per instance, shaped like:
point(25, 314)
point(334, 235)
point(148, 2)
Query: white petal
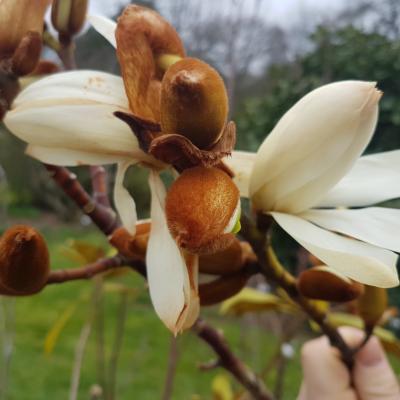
point(70, 158)
point(74, 111)
point(123, 201)
point(360, 261)
point(313, 146)
point(105, 26)
point(241, 163)
point(167, 273)
point(373, 179)
point(376, 225)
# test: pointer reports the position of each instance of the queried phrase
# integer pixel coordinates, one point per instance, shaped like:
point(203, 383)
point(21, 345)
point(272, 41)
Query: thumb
point(372, 374)
point(325, 376)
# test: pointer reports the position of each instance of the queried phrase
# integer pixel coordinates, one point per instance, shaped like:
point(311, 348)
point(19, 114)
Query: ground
point(143, 360)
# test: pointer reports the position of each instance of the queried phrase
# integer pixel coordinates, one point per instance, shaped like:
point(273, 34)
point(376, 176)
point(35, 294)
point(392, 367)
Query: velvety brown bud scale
point(194, 102)
point(199, 206)
point(222, 288)
point(224, 262)
point(321, 284)
point(24, 261)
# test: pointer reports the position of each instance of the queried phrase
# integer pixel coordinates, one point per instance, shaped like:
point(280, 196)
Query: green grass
point(144, 356)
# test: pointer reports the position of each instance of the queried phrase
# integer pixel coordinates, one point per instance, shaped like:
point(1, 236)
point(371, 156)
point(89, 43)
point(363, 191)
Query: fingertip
point(373, 376)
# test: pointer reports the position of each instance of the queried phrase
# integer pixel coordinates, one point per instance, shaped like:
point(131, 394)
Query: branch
point(104, 218)
point(275, 272)
point(99, 183)
point(86, 272)
point(230, 362)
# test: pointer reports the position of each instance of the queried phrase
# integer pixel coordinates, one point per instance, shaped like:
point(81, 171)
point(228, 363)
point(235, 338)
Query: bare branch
point(103, 217)
point(230, 362)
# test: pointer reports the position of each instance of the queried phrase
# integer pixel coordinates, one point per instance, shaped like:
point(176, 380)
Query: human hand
point(327, 378)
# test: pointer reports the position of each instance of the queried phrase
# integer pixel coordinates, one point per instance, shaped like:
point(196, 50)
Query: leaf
point(221, 388)
point(55, 331)
point(252, 300)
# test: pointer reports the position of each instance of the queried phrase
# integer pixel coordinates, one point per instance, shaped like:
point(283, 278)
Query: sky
point(281, 11)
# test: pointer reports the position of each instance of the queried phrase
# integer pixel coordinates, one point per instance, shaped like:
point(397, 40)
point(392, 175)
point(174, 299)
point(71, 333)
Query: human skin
point(326, 377)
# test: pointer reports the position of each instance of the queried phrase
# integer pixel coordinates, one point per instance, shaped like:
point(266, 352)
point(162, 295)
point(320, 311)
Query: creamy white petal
point(360, 261)
point(241, 163)
point(167, 273)
point(74, 111)
point(313, 146)
point(70, 158)
point(105, 26)
point(193, 311)
point(373, 179)
point(376, 225)
point(123, 201)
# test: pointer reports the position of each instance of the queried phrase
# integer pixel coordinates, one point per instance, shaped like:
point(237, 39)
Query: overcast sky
point(281, 11)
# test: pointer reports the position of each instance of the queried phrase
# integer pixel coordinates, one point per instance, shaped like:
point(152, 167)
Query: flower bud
point(24, 261)
point(194, 102)
point(224, 262)
point(372, 304)
point(222, 288)
point(132, 246)
point(68, 16)
point(324, 283)
point(17, 17)
point(202, 209)
point(27, 54)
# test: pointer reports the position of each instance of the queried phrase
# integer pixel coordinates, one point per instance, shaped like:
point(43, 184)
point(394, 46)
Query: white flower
point(310, 162)
point(67, 119)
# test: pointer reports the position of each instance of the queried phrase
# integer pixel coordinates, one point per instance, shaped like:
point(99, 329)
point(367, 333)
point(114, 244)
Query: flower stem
point(259, 237)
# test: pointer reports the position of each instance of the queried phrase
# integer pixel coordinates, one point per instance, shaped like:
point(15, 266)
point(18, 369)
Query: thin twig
point(86, 272)
point(103, 217)
point(79, 352)
point(98, 313)
point(230, 362)
point(171, 370)
point(116, 350)
point(99, 183)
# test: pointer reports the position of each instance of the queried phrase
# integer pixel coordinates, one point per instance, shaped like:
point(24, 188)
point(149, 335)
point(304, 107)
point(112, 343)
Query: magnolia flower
point(69, 119)
point(307, 175)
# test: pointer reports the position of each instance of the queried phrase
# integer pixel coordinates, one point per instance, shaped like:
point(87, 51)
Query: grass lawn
point(143, 359)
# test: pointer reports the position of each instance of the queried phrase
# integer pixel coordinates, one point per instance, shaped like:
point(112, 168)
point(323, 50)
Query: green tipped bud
point(372, 304)
point(68, 16)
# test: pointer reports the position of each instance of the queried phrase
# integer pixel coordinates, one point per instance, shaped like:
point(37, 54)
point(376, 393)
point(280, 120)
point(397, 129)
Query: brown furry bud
point(224, 262)
point(132, 246)
point(372, 304)
point(24, 261)
point(200, 207)
point(323, 283)
point(194, 102)
point(222, 288)
point(68, 16)
point(27, 54)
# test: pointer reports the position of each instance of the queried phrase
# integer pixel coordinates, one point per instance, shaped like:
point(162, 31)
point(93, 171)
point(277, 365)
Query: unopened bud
point(222, 288)
point(27, 54)
point(324, 283)
point(194, 102)
point(202, 209)
point(24, 261)
point(166, 60)
point(132, 246)
point(68, 16)
point(372, 304)
point(224, 262)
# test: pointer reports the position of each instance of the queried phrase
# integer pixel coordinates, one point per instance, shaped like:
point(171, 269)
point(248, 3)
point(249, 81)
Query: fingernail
point(372, 354)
